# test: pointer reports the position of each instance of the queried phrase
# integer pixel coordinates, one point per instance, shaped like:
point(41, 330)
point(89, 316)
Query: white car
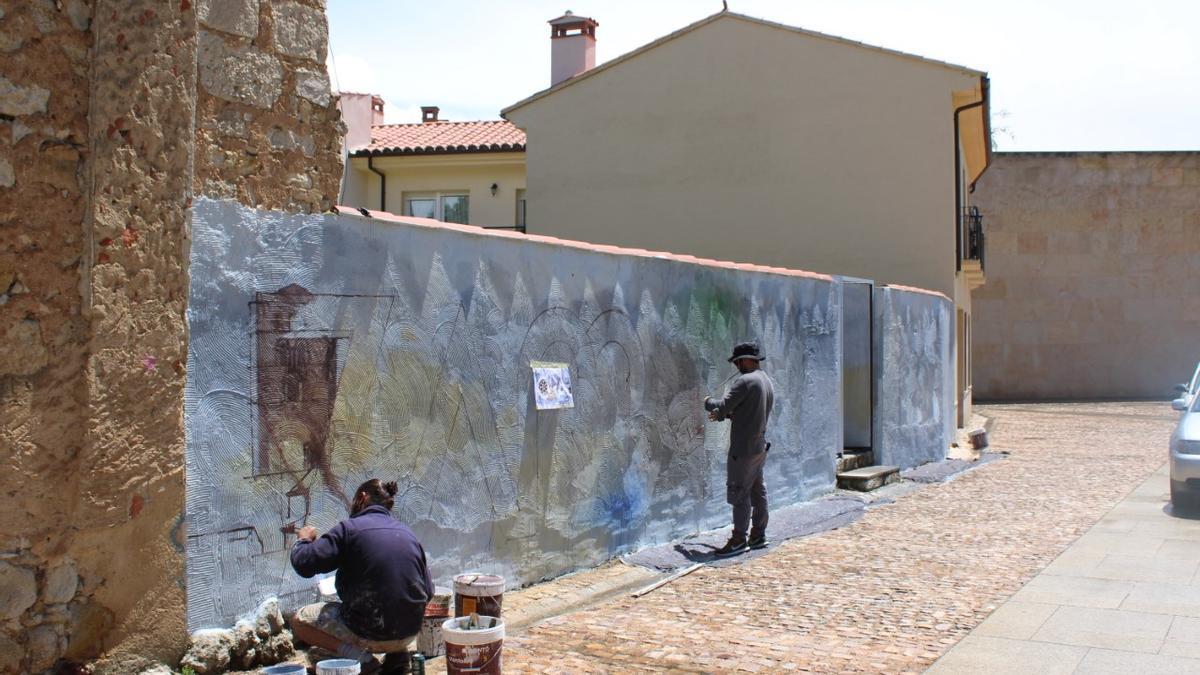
point(1185, 455)
point(1188, 391)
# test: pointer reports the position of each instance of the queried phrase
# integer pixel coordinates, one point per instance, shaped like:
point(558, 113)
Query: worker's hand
point(307, 533)
point(712, 416)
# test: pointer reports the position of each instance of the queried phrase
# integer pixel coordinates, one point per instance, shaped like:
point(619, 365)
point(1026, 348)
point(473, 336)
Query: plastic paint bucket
point(473, 651)
point(478, 594)
point(285, 669)
point(338, 667)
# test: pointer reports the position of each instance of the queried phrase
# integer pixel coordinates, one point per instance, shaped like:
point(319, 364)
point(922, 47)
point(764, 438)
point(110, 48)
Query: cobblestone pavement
point(892, 592)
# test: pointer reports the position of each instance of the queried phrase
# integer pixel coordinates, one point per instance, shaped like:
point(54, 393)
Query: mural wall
point(914, 377)
point(325, 350)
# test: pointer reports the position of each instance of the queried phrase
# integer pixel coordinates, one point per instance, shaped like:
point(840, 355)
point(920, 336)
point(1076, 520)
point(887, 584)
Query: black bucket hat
point(747, 350)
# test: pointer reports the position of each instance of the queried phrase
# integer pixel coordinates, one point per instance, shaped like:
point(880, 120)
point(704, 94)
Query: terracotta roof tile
point(433, 138)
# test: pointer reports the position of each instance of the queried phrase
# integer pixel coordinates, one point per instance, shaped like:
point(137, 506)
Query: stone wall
point(265, 118)
point(44, 154)
point(105, 137)
point(1091, 286)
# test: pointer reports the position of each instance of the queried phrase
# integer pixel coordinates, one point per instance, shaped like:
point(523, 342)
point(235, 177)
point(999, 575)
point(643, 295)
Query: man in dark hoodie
point(748, 404)
point(383, 580)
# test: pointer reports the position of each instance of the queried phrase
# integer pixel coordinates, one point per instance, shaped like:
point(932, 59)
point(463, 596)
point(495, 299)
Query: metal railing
point(972, 222)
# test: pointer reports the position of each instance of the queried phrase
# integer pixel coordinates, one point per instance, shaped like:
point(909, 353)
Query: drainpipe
point(958, 233)
point(383, 182)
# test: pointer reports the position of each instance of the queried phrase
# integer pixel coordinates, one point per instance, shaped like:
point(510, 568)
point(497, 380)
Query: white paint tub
point(473, 651)
point(338, 667)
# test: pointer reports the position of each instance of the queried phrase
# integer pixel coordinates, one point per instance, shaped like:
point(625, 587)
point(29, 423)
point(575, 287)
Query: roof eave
point(454, 150)
point(709, 19)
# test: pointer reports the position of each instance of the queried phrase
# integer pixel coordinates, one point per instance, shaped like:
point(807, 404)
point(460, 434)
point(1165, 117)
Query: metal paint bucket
point(429, 640)
point(478, 594)
point(473, 651)
point(338, 667)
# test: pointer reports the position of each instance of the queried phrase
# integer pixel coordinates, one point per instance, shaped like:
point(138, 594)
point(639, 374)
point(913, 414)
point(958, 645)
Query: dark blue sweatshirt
point(382, 577)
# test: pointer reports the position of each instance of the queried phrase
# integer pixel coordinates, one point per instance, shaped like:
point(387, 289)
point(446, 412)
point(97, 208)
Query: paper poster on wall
point(552, 385)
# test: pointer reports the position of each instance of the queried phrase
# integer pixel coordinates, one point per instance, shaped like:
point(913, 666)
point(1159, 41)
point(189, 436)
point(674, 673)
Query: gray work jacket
point(748, 404)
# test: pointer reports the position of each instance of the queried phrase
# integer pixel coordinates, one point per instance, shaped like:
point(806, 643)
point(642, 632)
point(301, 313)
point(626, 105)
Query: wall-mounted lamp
point(495, 188)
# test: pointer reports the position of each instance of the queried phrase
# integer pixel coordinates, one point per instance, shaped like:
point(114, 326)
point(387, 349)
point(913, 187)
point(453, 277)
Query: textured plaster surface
point(1091, 286)
point(435, 329)
point(914, 382)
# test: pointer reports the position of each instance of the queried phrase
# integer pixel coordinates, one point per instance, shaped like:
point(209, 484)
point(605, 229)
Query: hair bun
point(391, 488)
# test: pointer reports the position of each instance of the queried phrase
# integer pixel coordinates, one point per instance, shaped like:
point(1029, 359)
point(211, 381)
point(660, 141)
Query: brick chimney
point(429, 113)
point(572, 46)
point(360, 112)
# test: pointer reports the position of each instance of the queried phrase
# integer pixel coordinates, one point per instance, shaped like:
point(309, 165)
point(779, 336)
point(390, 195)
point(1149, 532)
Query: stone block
point(25, 356)
point(237, 17)
point(238, 73)
point(7, 177)
point(313, 85)
point(80, 14)
point(10, 655)
point(1031, 242)
point(18, 585)
point(9, 42)
point(1167, 177)
point(46, 644)
point(299, 31)
point(16, 99)
point(61, 583)
point(282, 139)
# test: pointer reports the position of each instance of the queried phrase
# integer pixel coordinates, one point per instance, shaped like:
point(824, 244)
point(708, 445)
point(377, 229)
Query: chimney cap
point(429, 113)
point(569, 18)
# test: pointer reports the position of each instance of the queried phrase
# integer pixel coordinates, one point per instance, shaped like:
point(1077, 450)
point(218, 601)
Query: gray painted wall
point(430, 385)
point(914, 378)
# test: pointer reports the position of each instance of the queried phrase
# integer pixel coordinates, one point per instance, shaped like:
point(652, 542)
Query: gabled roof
point(441, 138)
point(739, 17)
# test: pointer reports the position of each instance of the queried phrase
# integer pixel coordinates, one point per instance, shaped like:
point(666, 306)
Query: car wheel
point(1181, 498)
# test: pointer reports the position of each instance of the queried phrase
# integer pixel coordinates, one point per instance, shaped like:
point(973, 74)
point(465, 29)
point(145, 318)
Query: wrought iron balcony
point(972, 223)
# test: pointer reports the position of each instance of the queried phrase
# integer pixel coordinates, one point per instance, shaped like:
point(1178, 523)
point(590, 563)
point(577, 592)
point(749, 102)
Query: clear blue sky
point(1066, 74)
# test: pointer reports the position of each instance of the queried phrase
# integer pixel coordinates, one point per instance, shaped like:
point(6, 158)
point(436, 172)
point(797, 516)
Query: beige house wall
point(755, 143)
point(1092, 288)
point(469, 173)
point(747, 142)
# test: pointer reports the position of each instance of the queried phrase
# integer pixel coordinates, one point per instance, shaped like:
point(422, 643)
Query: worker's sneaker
point(757, 541)
point(735, 546)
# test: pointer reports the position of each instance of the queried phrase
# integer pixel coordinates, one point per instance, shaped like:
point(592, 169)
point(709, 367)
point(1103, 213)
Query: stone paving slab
point(900, 587)
point(1129, 598)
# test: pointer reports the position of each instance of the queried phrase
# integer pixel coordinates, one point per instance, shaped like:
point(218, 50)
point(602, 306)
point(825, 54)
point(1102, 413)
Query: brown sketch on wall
point(296, 386)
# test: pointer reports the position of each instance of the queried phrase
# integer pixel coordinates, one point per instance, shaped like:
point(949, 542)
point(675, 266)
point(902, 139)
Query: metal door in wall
point(857, 378)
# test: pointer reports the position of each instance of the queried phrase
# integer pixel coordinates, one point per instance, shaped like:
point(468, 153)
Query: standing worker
point(748, 404)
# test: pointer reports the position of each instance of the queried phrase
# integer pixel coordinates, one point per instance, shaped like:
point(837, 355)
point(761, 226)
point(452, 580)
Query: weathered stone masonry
point(113, 115)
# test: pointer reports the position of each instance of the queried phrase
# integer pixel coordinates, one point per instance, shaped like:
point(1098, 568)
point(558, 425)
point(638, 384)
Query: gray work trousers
point(745, 491)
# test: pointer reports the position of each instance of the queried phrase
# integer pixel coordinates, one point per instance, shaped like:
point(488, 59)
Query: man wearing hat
point(748, 405)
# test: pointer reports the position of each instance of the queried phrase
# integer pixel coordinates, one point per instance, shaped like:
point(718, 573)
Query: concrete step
point(854, 459)
point(868, 478)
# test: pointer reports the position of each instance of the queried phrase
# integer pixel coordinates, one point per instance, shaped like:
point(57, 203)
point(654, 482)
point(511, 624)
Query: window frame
point(438, 197)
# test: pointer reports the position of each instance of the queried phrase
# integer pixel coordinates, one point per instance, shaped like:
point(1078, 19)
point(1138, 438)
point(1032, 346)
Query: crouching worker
point(383, 582)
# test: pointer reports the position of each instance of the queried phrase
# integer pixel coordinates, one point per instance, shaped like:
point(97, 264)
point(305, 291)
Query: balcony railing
point(973, 224)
